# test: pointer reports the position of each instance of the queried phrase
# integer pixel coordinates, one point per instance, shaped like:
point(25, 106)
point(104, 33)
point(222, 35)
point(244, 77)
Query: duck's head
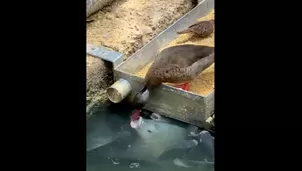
point(141, 98)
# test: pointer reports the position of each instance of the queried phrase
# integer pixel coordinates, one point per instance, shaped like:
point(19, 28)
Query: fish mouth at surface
point(135, 117)
point(135, 114)
point(134, 124)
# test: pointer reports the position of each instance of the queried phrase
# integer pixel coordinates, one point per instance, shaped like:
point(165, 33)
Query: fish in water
point(205, 136)
point(177, 64)
point(206, 139)
point(157, 142)
point(202, 28)
point(158, 136)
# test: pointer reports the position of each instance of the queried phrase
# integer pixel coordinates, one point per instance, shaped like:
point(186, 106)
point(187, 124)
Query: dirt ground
point(126, 26)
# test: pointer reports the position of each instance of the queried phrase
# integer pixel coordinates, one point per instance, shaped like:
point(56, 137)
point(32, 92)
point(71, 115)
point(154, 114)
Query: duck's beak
point(141, 98)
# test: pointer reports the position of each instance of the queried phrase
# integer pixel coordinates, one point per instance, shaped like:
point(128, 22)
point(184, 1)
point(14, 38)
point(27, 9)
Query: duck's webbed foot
point(185, 86)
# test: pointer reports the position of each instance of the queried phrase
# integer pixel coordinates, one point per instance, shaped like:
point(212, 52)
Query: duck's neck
point(141, 97)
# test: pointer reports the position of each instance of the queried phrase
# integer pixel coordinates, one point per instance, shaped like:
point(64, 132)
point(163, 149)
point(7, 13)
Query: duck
point(202, 28)
point(178, 65)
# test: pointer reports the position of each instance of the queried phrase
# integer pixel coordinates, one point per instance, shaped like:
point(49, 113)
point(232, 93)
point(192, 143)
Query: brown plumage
point(201, 28)
point(177, 64)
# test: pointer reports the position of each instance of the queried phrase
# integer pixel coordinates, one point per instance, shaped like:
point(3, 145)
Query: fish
point(207, 140)
point(157, 135)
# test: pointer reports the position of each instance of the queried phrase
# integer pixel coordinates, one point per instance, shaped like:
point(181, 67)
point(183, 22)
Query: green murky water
point(113, 145)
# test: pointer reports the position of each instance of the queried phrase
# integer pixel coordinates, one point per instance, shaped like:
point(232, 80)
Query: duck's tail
point(202, 64)
point(184, 31)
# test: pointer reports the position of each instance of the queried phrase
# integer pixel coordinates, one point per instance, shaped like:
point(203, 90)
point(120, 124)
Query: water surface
point(113, 145)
